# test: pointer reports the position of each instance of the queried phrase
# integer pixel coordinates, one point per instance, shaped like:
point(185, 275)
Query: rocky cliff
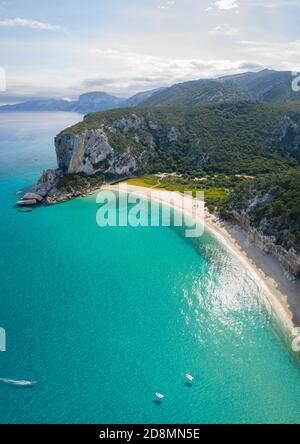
point(289, 259)
point(86, 158)
point(91, 153)
point(268, 208)
point(233, 138)
point(243, 137)
point(226, 139)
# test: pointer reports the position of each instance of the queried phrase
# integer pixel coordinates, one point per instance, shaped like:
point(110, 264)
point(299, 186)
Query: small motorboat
point(189, 377)
point(18, 383)
point(159, 395)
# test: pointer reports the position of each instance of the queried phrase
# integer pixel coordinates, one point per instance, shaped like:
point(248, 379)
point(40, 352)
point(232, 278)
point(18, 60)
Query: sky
point(63, 48)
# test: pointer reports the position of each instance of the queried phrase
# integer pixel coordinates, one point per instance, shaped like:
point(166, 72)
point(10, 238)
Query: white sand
point(282, 293)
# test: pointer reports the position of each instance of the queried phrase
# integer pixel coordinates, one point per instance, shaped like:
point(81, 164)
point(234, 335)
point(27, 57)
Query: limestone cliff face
point(91, 153)
point(289, 259)
point(87, 157)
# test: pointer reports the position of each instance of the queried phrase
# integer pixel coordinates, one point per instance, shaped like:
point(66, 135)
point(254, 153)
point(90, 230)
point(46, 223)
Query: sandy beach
point(280, 289)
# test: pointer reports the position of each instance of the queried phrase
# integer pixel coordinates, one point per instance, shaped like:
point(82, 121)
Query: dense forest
point(245, 156)
point(240, 137)
point(272, 204)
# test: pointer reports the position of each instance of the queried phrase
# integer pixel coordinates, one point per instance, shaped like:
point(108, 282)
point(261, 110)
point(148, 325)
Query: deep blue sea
point(102, 318)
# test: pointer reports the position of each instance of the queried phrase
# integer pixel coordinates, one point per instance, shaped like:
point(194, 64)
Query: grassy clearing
point(147, 182)
point(214, 197)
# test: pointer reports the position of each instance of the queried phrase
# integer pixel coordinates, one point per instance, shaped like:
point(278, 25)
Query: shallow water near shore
point(104, 318)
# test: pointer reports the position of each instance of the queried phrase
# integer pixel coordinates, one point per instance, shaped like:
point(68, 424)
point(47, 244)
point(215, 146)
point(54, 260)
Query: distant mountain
point(264, 86)
point(39, 105)
point(197, 92)
point(86, 103)
point(96, 101)
point(141, 97)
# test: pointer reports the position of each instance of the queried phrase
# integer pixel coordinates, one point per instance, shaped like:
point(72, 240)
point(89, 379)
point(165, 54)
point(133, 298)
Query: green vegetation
point(147, 182)
point(272, 204)
point(229, 138)
point(196, 92)
point(244, 156)
point(216, 188)
point(79, 182)
point(214, 195)
point(265, 86)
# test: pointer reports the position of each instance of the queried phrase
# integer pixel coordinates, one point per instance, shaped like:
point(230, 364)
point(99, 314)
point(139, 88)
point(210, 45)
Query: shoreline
point(281, 293)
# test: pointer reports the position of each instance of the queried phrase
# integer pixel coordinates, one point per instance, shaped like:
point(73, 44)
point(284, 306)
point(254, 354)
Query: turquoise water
point(104, 318)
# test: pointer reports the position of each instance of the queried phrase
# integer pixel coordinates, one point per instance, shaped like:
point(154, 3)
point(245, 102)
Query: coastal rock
point(58, 198)
point(33, 196)
point(28, 202)
point(43, 193)
point(47, 181)
point(45, 185)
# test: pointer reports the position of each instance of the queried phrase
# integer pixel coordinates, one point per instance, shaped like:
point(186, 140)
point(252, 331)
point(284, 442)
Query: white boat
point(189, 377)
point(159, 395)
point(18, 383)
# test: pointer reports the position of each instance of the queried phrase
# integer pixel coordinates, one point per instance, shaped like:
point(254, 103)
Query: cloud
point(234, 4)
point(224, 30)
point(227, 4)
point(272, 52)
point(224, 5)
point(276, 3)
point(167, 4)
point(145, 71)
point(27, 23)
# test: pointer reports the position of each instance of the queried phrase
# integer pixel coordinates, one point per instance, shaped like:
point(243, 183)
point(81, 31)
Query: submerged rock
point(25, 210)
point(28, 202)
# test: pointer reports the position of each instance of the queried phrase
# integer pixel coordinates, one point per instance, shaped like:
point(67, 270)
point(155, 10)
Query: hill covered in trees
point(265, 86)
point(244, 155)
point(230, 138)
point(272, 206)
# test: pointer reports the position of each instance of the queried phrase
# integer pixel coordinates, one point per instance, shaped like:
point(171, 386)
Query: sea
point(103, 318)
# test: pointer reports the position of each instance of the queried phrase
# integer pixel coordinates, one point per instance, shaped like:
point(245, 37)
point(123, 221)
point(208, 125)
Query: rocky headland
point(243, 138)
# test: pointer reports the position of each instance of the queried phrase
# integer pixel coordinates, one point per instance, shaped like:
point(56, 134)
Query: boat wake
point(18, 383)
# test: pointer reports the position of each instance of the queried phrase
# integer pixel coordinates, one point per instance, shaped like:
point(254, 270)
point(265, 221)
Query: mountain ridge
point(264, 86)
point(220, 147)
point(86, 103)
